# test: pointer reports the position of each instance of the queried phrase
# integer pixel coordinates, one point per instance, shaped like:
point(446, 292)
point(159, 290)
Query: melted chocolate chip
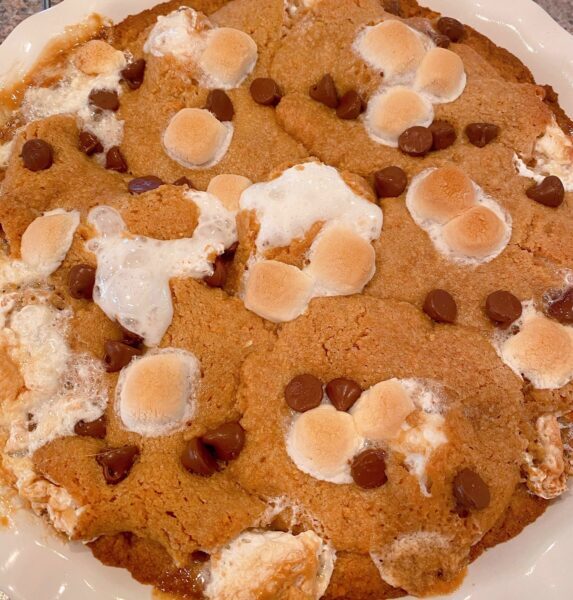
point(470, 491)
point(114, 160)
point(390, 182)
point(134, 74)
point(199, 556)
point(343, 393)
point(184, 181)
point(81, 282)
point(482, 134)
point(350, 106)
point(304, 392)
point(440, 306)
point(95, 429)
point(368, 469)
point(140, 185)
point(561, 308)
point(416, 141)
point(89, 144)
point(503, 308)
point(219, 277)
point(325, 92)
point(197, 459)
point(118, 355)
point(219, 103)
point(226, 441)
point(104, 99)
point(550, 192)
point(451, 28)
point(130, 338)
point(443, 134)
point(265, 91)
point(37, 155)
point(117, 463)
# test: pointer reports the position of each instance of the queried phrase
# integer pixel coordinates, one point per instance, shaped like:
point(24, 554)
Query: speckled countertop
point(13, 11)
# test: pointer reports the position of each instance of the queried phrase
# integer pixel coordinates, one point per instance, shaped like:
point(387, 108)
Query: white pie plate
point(36, 565)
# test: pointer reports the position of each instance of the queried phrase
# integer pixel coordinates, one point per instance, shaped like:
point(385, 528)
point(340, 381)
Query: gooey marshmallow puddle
point(133, 272)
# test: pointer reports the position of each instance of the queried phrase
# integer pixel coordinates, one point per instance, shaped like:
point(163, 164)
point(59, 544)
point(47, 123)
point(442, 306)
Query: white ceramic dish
point(36, 565)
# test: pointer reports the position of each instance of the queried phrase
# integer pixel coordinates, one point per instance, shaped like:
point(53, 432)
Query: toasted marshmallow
point(341, 262)
point(441, 195)
point(228, 58)
point(97, 57)
point(394, 110)
point(391, 47)
point(477, 233)
point(381, 410)
point(277, 291)
point(196, 139)
point(441, 75)
point(541, 351)
point(47, 240)
point(271, 564)
point(228, 188)
point(156, 394)
point(322, 441)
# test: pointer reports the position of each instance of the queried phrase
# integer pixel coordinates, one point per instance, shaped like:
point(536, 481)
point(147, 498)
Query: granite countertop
point(14, 11)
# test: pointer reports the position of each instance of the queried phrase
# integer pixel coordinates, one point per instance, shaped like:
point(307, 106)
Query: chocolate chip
point(219, 103)
point(350, 106)
point(443, 134)
point(95, 429)
point(482, 134)
point(368, 469)
point(37, 155)
point(325, 92)
point(451, 27)
point(390, 182)
point(441, 40)
point(265, 91)
point(104, 99)
point(470, 491)
point(81, 282)
point(197, 458)
point(117, 463)
point(440, 306)
point(199, 556)
point(130, 338)
point(114, 160)
point(304, 392)
point(550, 192)
point(184, 181)
point(226, 441)
point(32, 425)
point(89, 144)
point(140, 185)
point(118, 355)
point(134, 73)
point(219, 277)
point(343, 393)
point(561, 308)
point(503, 307)
point(416, 141)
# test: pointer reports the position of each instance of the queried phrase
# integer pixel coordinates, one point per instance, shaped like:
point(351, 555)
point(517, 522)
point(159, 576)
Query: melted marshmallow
point(468, 229)
point(270, 564)
point(133, 272)
point(224, 57)
point(553, 155)
point(156, 393)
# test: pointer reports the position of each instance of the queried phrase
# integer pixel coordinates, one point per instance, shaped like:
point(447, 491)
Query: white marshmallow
point(156, 394)
point(441, 75)
point(270, 564)
point(393, 110)
point(47, 240)
point(276, 291)
point(393, 48)
point(228, 188)
point(196, 139)
point(322, 442)
point(133, 273)
point(541, 350)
